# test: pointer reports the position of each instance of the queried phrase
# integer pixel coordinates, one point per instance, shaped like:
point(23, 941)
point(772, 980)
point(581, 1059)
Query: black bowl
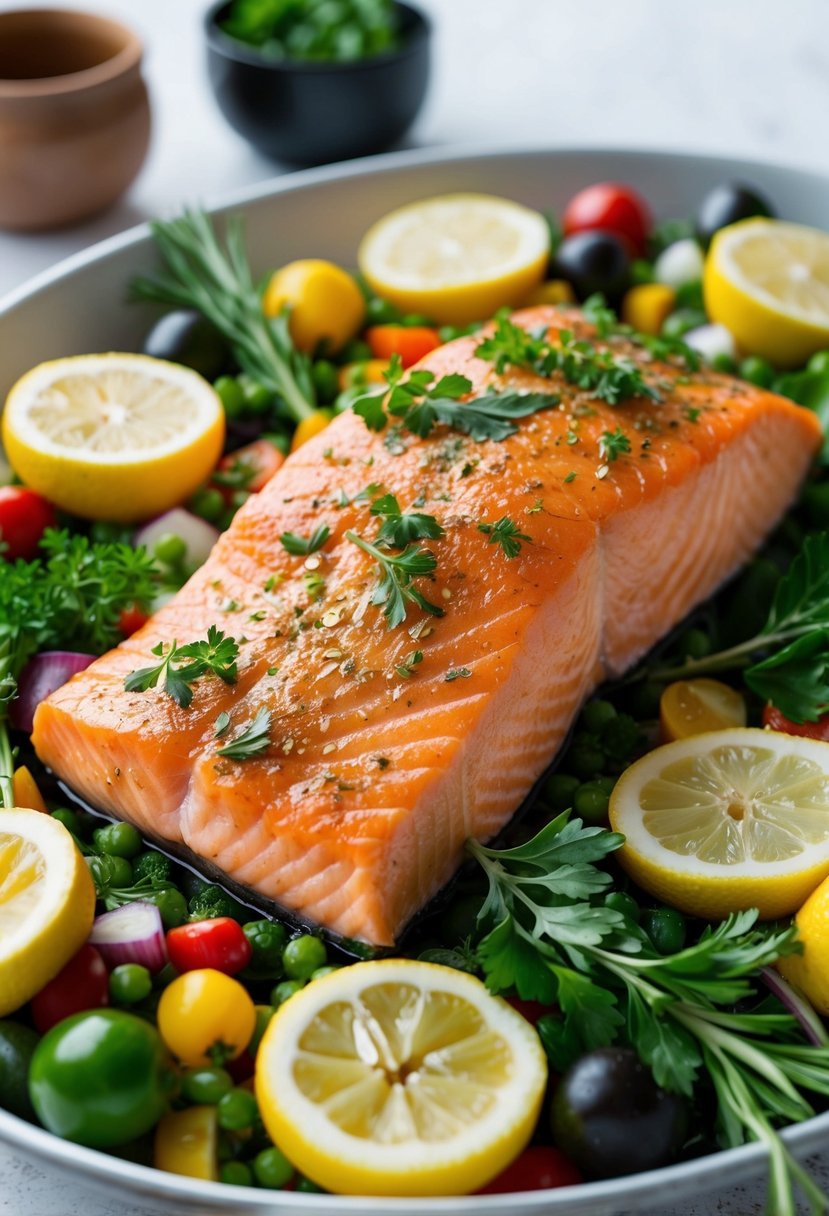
point(308, 113)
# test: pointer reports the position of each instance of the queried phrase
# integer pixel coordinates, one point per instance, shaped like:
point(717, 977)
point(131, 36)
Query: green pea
point(695, 644)
point(819, 363)
point(757, 371)
point(586, 756)
point(207, 503)
point(170, 549)
point(682, 321)
point(381, 312)
point(560, 790)
point(287, 988)
point(620, 901)
point(231, 395)
point(666, 929)
point(118, 840)
point(171, 904)
point(590, 802)
point(118, 871)
point(130, 983)
point(69, 819)
point(236, 1110)
point(303, 955)
point(258, 398)
point(308, 1187)
point(235, 1173)
point(267, 941)
point(321, 972)
point(206, 1086)
point(264, 1013)
point(597, 714)
point(326, 382)
point(724, 363)
point(272, 1168)
point(416, 320)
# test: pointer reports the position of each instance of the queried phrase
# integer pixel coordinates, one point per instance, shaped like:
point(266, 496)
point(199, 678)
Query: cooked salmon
point(389, 747)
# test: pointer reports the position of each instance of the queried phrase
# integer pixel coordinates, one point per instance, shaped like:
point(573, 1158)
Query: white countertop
point(746, 77)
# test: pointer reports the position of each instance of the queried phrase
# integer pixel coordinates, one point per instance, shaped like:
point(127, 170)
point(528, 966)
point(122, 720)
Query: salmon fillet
point(358, 811)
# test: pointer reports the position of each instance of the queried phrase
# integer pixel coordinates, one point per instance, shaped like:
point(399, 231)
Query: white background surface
point(748, 77)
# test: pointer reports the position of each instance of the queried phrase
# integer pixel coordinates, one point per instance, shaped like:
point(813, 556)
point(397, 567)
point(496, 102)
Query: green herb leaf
point(400, 528)
point(301, 546)
point(506, 533)
point(613, 444)
point(796, 678)
point(252, 741)
point(181, 666)
point(395, 589)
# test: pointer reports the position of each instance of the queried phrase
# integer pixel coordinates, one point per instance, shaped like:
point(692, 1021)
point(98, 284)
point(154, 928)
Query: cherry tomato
point(82, 984)
point(249, 468)
point(613, 208)
point(219, 943)
point(205, 1017)
point(539, 1168)
point(531, 1010)
point(130, 620)
point(774, 720)
point(24, 517)
point(411, 343)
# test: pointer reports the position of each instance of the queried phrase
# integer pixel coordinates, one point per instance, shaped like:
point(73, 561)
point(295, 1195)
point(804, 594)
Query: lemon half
point(117, 436)
point(399, 1078)
point(767, 282)
point(47, 903)
point(457, 258)
point(728, 820)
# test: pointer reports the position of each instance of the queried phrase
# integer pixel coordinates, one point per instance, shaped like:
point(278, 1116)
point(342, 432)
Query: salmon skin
point(380, 766)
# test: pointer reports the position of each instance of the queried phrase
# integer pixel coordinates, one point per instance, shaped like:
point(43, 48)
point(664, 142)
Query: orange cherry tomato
point(410, 342)
point(774, 720)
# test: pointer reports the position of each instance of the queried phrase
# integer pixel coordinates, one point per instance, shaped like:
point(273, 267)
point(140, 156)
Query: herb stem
point(6, 768)
point(733, 658)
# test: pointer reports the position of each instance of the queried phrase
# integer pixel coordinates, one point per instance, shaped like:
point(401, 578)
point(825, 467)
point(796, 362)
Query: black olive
point(187, 337)
point(593, 262)
point(610, 1117)
point(726, 204)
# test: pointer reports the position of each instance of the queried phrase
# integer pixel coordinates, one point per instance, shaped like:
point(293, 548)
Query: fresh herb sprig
point(217, 282)
point(550, 936)
point(421, 404)
point(794, 675)
point(613, 444)
point(400, 528)
point(302, 546)
point(506, 533)
point(395, 590)
point(252, 741)
point(182, 666)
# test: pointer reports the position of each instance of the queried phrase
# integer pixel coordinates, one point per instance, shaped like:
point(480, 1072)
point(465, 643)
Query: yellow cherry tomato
point(326, 305)
point(647, 306)
point(554, 291)
point(369, 371)
point(186, 1143)
point(206, 1017)
point(26, 792)
point(311, 426)
point(692, 707)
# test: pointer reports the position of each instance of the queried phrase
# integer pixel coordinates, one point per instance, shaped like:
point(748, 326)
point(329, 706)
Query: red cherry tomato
point(249, 468)
point(219, 944)
point(410, 342)
point(82, 984)
point(612, 208)
point(130, 620)
point(539, 1168)
point(808, 730)
point(24, 517)
point(531, 1010)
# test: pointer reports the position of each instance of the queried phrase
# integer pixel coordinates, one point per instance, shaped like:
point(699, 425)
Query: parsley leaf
point(254, 740)
point(613, 444)
point(395, 590)
point(400, 528)
point(181, 666)
point(300, 546)
point(507, 534)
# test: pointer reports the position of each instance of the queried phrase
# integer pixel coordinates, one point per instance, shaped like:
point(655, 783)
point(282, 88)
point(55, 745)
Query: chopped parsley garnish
point(692, 413)
point(406, 668)
point(181, 666)
point(394, 590)
point(507, 534)
point(613, 444)
point(457, 673)
point(400, 528)
point(301, 546)
point(571, 476)
point(221, 725)
point(254, 740)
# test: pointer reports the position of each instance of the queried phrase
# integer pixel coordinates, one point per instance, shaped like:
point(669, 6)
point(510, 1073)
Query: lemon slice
point(690, 707)
point(399, 1078)
point(734, 819)
point(47, 903)
point(457, 258)
point(117, 437)
point(768, 283)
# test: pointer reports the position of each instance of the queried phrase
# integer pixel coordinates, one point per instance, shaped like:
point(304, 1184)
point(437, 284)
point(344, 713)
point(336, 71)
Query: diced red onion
point(133, 933)
point(39, 678)
point(198, 535)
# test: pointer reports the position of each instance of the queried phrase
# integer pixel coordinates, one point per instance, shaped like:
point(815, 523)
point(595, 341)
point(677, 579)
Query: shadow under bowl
point(308, 113)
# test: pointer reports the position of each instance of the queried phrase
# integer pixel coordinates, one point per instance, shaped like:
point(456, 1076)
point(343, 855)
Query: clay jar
point(74, 116)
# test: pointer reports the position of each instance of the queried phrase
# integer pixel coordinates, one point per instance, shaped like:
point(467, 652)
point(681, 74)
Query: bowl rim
point(240, 52)
point(122, 62)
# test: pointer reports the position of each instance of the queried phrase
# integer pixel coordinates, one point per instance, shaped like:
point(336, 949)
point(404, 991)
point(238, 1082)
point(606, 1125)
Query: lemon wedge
point(117, 436)
point(690, 707)
point(809, 971)
point(728, 820)
point(767, 282)
point(398, 1077)
point(457, 258)
point(47, 903)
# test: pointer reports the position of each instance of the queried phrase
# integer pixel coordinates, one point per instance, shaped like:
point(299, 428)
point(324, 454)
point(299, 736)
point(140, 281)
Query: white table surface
point(747, 77)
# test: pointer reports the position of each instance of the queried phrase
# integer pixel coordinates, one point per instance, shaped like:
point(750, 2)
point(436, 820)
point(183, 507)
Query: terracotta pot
point(74, 116)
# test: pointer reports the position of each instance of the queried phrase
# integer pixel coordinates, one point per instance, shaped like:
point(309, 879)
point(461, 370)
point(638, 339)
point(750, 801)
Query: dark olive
point(187, 337)
point(593, 262)
point(726, 204)
point(610, 1117)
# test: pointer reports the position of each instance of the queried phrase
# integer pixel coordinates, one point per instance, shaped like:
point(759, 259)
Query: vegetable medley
point(152, 1011)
